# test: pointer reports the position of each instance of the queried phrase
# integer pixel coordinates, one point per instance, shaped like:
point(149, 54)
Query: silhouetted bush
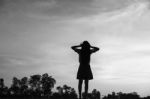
point(121, 95)
point(40, 87)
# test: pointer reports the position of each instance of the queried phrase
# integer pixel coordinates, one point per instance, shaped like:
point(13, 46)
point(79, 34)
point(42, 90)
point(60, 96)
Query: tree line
point(40, 87)
point(121, 95)
point(36, 85)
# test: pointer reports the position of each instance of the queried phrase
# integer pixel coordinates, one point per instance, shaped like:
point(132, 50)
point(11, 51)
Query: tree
point(35, 85)
point(47, 84)
point(67, 89)
point(3, 89)
point(24, 86)
point(1, 86)
point(60, 90)
point(73, 93)
point(1, 83)
point(69, 92)
point(15, 87)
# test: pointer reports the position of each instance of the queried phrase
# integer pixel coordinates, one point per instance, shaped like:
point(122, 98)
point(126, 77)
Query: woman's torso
point(84, 57)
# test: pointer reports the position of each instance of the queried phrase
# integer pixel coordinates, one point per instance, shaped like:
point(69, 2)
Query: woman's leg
point(80, 88)
point(86, 87)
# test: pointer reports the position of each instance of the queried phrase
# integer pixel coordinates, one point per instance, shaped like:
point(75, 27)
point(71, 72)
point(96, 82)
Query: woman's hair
point(85, 44)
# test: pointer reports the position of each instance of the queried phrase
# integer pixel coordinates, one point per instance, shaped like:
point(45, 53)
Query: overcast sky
point(36, 36)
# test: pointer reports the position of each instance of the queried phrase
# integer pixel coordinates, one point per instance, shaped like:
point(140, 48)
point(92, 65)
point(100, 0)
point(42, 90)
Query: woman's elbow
point(97, 49)
point(72, 47)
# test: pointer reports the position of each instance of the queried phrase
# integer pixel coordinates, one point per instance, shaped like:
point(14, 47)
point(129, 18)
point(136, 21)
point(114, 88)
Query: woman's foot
point(79, 96)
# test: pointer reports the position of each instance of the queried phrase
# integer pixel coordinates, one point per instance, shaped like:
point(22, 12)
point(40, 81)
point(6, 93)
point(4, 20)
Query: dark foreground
point(113, 95)
point(40, 87)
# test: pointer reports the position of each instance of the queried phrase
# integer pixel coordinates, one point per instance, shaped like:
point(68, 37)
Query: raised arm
point(76, 48)
point(94, 49)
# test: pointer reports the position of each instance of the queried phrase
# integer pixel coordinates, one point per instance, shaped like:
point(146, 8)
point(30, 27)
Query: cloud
point(57, 8)
point(37, 39)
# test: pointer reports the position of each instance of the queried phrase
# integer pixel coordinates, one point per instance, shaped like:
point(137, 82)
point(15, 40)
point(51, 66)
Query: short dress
point(84, 70)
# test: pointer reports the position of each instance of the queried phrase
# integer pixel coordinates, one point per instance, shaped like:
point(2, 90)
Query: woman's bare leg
point(86, 87)
point(80, 88)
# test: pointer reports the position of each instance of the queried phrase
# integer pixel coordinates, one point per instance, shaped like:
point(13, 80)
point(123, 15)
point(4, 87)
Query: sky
point(36, 36)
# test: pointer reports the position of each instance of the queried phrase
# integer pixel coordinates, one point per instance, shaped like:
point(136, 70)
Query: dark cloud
point(61, 8)
point(2, 2)
point(85, 7)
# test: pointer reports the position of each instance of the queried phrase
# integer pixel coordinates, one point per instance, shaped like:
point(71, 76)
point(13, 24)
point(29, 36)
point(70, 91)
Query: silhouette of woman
point(84, 71)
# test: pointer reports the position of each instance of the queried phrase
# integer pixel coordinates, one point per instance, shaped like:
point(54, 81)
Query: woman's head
point(85, 45)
